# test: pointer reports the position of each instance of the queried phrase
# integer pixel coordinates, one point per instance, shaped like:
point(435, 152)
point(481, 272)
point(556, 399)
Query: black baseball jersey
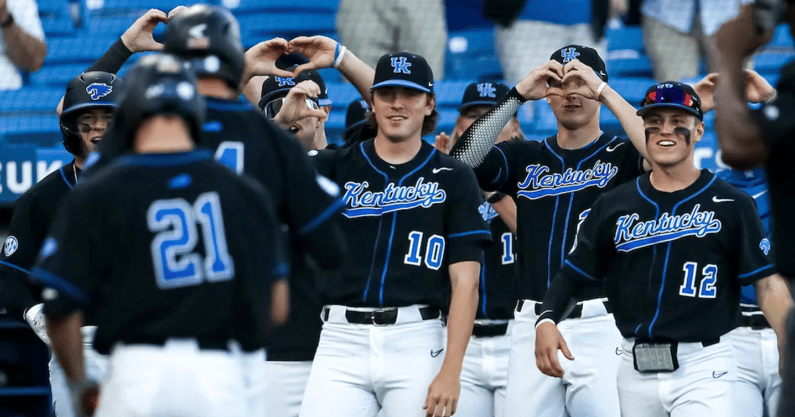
point(164, 246)
point(777, 121)
point(554, 188)
point(673, 263)
point(498, 271)
point(404, 224)
point(33, 213)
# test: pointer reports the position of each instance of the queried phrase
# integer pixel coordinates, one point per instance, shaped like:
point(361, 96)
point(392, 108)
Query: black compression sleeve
point(477, 141)
point(113, 58)
point(562, 293)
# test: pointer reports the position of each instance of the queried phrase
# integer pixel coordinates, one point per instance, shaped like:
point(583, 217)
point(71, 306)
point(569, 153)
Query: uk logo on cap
point(400, 65)
point(98, 90)
point(285, 81)
point(487, 90)
point(568, 54)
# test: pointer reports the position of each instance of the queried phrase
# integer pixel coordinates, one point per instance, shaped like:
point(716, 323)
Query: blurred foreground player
point(199, 283)
point(416, 239)
point(748, 138)
point(88, 106)
point(672, 248)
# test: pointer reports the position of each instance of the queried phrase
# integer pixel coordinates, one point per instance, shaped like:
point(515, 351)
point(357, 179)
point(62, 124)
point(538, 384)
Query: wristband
point(599, 90)
point(8, 22)
point(339, 53)
point(495, 197)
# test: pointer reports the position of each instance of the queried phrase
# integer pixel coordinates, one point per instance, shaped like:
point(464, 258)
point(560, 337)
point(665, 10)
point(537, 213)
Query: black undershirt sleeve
point(113, 59)
point(564, 291)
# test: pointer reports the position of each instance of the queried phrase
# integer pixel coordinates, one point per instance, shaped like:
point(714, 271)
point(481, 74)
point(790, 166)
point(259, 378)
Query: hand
point(534, 85)
point(738, 37)
point(583, 77)
point(443, 394)
point(85, 397)
point(261, 59)
point(38, 322)
point(548, 341)
point(295, 107)
point(3, 11)
point(138, 37)
point(177, 10)
point(618, 8)
point(443, 143)
point(705, 88)
point(319, 49)
point(759, 89)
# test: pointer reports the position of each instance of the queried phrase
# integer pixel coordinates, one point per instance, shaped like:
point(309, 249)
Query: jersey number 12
point(707, 287)
point(175, 262)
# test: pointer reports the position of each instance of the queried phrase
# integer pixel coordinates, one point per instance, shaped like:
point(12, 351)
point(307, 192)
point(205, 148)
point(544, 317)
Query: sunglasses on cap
point(274, 106)
point(671, 96)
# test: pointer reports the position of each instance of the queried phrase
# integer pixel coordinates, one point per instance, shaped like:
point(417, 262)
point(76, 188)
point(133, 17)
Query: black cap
point(403, 69)
point(276, 87)
point(483, 94)
point(584, 54)
point(356, 114)
point(672, 94)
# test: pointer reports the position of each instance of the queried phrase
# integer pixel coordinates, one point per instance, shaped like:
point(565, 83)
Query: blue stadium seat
point(626, 56)
point(136, 7)
point(57, 75)
point(285, 24)
point(767, 63)
point(341, 94)
point(471, 55)
point(74, 50)
point(39, 130)
point(626, 37)
point(257, 6)
point(450, 92)
point(782, 38)
point(56, 18)
point(632, 89)
point(30, 99)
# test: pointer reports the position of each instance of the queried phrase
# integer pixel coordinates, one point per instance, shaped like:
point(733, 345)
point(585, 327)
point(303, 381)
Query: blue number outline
point(507, 248)
point(173, 222)
point(218, 265)
point(413, 256)
point(688, 287)
point(434, 252)
point(235, 161)
point(707, 289)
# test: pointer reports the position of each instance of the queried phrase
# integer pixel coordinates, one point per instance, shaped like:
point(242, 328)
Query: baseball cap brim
point(88, 105)
point(401, 83)
point(324, 102)
point(645, 109)
point(476, 103)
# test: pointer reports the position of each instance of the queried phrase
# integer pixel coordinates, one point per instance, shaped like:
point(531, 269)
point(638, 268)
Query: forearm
point(477, 141)
point(774, 300)
point(561, 292)
point(627, 116)
point(113, 59)
point(252, 89)
point(461, 317)
point(358, 73)
point(67, 344)
point(24, 51)
point(506, 208)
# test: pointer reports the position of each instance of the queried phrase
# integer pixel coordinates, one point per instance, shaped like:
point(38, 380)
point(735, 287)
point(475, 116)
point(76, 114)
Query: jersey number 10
point(176, 265)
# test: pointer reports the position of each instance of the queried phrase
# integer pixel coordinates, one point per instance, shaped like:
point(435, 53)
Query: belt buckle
point(373, 314)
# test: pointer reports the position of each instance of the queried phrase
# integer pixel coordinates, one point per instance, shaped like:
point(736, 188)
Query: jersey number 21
point(175, 222)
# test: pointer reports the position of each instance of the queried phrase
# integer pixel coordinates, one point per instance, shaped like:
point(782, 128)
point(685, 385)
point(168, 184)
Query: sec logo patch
point(10, 246)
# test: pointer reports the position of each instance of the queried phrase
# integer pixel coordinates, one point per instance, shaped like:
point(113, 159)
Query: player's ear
point(430, 105)
point(699, 130)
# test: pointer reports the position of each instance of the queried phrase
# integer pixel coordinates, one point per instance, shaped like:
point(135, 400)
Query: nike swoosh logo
point(437, 353)
point(721, 200)
point(755, 196)
point(619, 351)
point(438, 170)
point(716, 374)
point(609, 149)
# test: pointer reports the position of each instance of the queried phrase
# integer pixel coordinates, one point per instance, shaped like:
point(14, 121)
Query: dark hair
point(428, 124)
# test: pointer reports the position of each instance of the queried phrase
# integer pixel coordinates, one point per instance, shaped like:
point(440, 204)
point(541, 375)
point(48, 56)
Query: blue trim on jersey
point(63, 175)
point(571, 200)
point(166, 159)
point(483, 285)
point(554, 217)
point(281, 271)
point(474, 232)
point(579, 271)
point(227, 105)
point(52, 280)
point(322, 217)
point(656, 216)
point(754, 271)
point(18, 268)
point(668, 253)
point(392, 233)
point(498, 181)
point(377, 236)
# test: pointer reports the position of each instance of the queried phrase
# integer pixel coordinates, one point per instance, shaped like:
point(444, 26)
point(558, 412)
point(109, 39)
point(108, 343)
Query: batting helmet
point(86, 91)
point(157, 84)
point(209, 37)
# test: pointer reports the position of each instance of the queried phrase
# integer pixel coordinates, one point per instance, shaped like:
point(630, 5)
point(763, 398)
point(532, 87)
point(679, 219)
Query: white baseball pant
point(360, 369)
point(702, 386)
point(758, 386)
point(484, 376)
point(180, 379)
point(286, 385)
point(588, 386)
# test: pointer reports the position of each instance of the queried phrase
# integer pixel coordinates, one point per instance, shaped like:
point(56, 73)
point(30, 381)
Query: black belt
point(704, 343)
point(161, 341)
point(755, 322)
point(489, 330)
point(381, 317)
point(576, 313)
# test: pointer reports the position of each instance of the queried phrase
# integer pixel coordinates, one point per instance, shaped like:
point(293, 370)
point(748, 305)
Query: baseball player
point(672, 248)
point(416, 237)
point(356, 128)
point(181, 264)
point(554, 183)
point(86, 109)
point(484, 375)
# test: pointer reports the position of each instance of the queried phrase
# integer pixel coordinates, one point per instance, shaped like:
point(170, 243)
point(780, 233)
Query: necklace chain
point(74, 170)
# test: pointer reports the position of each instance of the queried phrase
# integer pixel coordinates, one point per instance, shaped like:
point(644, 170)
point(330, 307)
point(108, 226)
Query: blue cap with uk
point(672, 94)
point(403, 69)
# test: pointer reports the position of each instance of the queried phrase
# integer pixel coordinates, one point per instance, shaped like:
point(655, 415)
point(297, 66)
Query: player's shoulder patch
point(11, 245)
point(764, 245)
